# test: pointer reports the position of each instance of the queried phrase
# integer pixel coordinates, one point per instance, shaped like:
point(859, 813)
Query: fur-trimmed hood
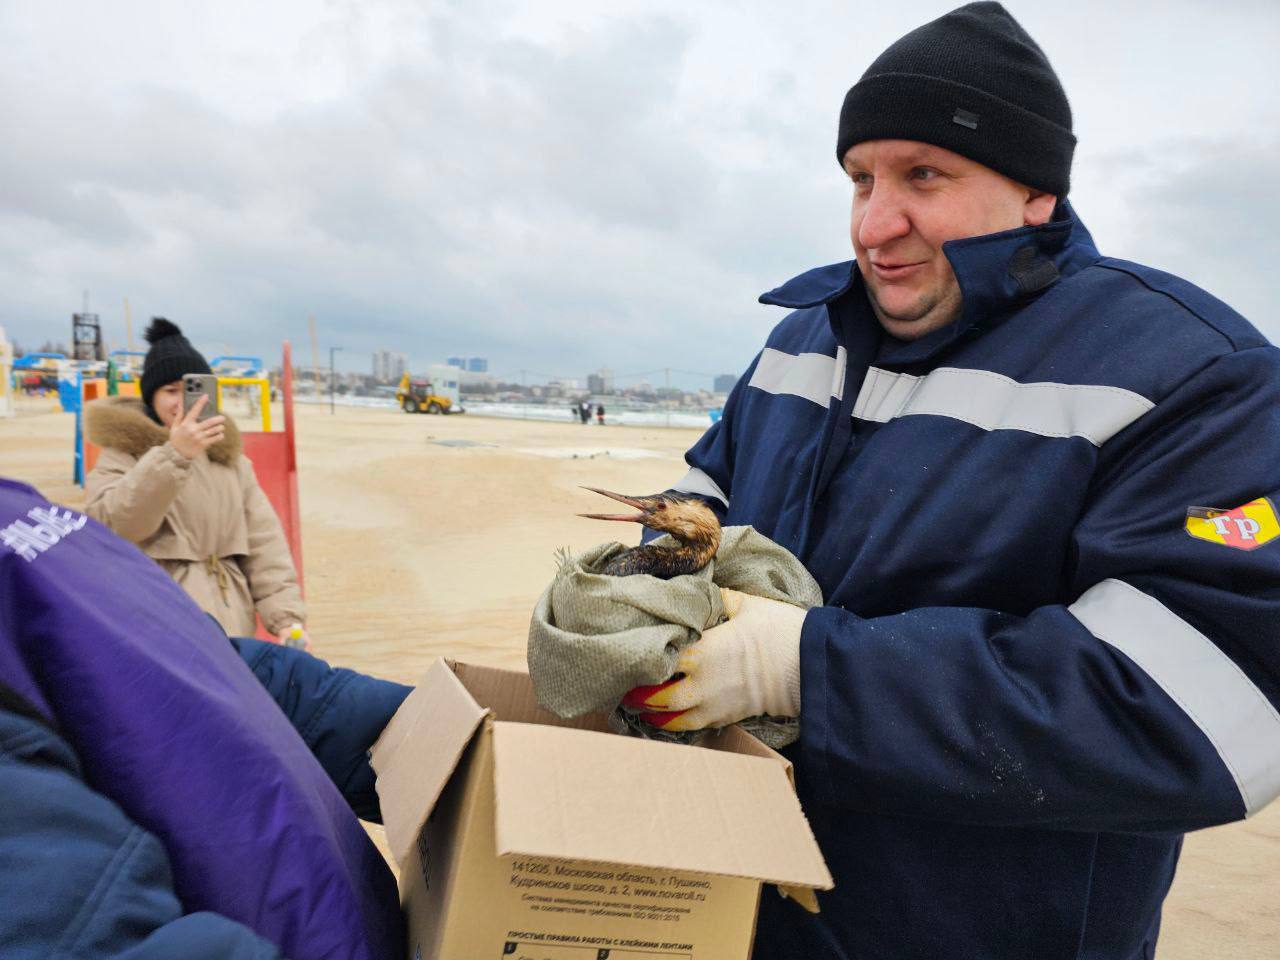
point(122, 423)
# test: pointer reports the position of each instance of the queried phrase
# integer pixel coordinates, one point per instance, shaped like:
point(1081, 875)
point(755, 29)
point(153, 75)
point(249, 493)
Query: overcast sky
point(560, 185)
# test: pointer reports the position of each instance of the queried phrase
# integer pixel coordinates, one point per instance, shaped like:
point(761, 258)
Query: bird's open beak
point(639, 504)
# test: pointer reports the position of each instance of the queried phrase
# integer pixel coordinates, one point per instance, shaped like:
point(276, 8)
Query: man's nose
point(881, 217)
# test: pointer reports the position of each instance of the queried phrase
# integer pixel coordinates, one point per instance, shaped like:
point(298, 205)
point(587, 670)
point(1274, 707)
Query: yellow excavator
point(418, 396)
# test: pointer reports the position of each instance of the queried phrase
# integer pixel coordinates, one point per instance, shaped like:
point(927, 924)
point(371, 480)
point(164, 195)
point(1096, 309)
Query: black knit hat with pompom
point(170, 358)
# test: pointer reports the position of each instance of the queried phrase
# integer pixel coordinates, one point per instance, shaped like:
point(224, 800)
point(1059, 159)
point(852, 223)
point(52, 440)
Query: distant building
point(478, 381)
point(562, 387)
point(601, 381)
point(724, 383)
point(457, 362)
point(477, 364)
point(388, 367)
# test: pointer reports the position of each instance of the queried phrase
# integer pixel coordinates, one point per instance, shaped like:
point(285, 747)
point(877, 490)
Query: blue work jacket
point(1047, 539)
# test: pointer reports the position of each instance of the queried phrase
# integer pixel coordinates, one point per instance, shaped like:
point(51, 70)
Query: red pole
point(291, 462)
point(286, 395)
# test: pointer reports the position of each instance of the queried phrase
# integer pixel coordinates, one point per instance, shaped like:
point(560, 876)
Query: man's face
point(908, 199)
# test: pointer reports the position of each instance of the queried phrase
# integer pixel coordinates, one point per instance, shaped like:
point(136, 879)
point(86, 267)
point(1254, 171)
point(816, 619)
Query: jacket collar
point(998, 273)
point(122, 423)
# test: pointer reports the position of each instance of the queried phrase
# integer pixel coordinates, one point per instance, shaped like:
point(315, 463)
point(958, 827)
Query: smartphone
point(195, 386)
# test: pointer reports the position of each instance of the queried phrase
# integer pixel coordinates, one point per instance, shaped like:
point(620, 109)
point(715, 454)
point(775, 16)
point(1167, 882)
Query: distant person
point(584, 411)
point(600, 414)
point(169, 792)
point(182, 490)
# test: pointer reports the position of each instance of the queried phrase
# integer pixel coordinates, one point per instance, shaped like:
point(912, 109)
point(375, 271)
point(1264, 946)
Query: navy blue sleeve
point(338, 712)
point(82, 880)
point(713, 455)
point(1147, 704)
point(710, 460)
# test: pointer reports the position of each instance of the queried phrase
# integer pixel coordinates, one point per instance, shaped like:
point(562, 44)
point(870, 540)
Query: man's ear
point(1039, 208)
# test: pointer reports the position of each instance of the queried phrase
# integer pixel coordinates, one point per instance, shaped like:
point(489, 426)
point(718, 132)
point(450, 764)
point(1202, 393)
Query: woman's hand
point(192, 437)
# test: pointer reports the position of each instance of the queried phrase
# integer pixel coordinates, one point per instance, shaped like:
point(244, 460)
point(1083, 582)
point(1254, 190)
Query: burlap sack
point(593, 637)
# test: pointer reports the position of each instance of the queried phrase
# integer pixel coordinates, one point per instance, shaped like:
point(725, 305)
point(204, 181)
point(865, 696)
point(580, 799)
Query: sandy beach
point(427, 536)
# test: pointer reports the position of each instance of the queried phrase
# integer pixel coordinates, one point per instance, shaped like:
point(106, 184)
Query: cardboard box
point(521, 836)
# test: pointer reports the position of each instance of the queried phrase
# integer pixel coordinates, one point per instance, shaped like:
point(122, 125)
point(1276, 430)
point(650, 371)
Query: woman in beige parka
point(181, 489)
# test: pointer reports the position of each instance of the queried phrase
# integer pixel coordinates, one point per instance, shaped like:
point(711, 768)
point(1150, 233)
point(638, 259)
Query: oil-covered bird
point(691, 522)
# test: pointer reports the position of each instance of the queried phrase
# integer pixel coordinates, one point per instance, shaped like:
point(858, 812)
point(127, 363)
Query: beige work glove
point(747, 666)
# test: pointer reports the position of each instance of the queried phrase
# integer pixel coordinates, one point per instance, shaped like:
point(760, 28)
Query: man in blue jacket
point(1038, 488)
point(168, 792)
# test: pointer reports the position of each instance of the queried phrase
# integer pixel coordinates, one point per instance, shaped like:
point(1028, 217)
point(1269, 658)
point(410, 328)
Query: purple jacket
point(170, 725)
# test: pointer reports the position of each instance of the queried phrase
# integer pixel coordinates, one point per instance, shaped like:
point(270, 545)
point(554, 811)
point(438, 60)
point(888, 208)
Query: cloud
point(484, 193)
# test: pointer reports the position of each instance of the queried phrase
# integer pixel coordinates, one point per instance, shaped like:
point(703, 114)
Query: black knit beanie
point(974, 82)
point(170, 358)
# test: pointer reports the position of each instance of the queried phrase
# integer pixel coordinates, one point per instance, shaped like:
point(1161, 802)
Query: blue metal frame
point(27, 362)
point(256, 367)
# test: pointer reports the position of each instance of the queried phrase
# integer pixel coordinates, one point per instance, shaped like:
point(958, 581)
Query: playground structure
point(275, 462)
point(273, 453)
point(245, 372)
point(127, 362)
point(86, 336)
point(37, 372)
point(78, 386)
point(6, 376)
point(70, 376)
point(248, 366)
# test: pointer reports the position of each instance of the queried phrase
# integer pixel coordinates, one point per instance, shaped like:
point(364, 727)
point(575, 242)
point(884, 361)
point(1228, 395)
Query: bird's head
point(685, 518)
